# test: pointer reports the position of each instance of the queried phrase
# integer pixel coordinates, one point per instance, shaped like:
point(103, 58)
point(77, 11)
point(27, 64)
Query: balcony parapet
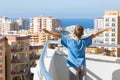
point(18, 49)
point(18, 61)
point(44, 71)
point(90, 57)
point(34, 57)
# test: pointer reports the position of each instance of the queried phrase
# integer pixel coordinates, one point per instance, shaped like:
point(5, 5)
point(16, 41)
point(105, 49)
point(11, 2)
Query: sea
point(86, 23)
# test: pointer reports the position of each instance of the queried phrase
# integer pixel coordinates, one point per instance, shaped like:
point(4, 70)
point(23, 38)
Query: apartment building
point(23, 24)
point(38, 38)
point(17, 58)
point(35, 52)
point(7, 25)
point(2, 58)
point(112, 19)
point(98, 24)
point(38, 23)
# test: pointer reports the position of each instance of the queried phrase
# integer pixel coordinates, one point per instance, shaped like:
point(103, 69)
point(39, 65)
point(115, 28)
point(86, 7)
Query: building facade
point(23, 24)
point(35, 52)
point(39, 23)
point(112, 19)
point(17, 58)
point(7, 25)
point(2, 58)
point(38, 38)
point(98, 23)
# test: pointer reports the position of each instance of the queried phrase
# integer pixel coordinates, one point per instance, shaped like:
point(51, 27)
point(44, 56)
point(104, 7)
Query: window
point(113, 19)
point(14, 45)
point(106, 34)
point(113, 39)
point(107, 24)
point(113, 30)
point(113, 34)
point(113, 24)
point(106, 39)
point(107, 20)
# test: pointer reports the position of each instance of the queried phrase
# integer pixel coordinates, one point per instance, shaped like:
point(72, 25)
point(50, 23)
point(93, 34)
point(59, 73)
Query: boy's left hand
point(109, 28)
point(44, 30)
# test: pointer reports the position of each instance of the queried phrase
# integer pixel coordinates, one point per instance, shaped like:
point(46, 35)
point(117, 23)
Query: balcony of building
point(19, 69)
point(34, 56)
point(20, 77)
point(52, 65)
point(20, 46)
point(19, 58)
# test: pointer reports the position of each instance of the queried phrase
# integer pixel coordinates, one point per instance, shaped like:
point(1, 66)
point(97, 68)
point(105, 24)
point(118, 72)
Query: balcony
point(18, 70)
point(33, 64)
point(21, 49)
point(19, 58)
point(34, 57)
point(20, 61)
point(18, 73)
point(52, 65)
point(20, 77)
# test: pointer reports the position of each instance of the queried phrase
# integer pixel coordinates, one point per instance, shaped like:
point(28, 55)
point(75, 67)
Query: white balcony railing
point(42, 64)
point(98, 67)
point(45, 73)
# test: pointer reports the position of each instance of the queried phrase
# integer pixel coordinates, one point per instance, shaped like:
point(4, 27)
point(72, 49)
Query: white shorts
point(77, 73)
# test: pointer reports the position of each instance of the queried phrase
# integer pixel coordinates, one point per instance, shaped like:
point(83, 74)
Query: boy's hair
point(78, 31)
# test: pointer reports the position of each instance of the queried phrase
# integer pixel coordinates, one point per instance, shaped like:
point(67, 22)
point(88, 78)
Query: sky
point(57, 8)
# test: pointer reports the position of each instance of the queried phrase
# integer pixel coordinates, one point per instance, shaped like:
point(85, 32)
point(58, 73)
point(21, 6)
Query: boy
point(76, 51)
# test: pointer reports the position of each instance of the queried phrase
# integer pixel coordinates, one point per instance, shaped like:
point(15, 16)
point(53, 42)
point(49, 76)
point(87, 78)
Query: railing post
point(46, 76)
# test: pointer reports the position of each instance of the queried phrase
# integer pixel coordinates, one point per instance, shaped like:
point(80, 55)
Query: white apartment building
point(38, 23)
point(7, 25)
point(112, 19)
point(99, 24)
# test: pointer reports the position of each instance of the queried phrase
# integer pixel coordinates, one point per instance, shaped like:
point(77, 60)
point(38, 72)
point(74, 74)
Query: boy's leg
point(77, 73)
point(73, 73)
point(82, 73)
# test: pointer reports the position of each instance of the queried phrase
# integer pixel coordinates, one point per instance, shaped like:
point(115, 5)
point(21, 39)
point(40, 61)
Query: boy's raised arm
point(55, 34)
point(100, 31)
